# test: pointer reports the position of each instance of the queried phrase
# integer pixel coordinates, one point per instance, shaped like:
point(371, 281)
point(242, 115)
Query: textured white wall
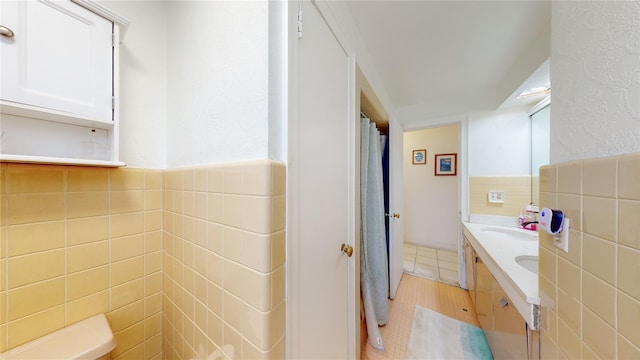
point(431, 202)
point(499, 143)
point(195, 82)
point(595, 75)
point(278, 80)
point(217, 59)
point(143, 83)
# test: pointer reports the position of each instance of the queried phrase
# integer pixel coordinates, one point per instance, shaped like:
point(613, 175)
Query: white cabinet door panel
point(60, 58)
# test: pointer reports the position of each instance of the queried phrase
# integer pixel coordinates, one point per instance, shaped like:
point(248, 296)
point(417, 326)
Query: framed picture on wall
point(446, 164)
point(419, 157)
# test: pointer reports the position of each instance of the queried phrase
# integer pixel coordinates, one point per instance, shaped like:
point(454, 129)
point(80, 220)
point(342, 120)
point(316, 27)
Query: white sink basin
point(528, 262)
point(527, 235)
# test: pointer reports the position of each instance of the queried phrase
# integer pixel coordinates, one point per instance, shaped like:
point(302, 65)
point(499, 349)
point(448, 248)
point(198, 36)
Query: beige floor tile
point(423, 251)
point(409, 248)
point(425, 270)
point(430, 263)
point(445, 254)
point(448, 265)
point(424, 260)
point(409, 255)
point(408, 266)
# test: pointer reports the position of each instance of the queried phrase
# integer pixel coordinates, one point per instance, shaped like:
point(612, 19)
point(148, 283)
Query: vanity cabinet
point(506, 331)
point(509, 335)
point(485, 285)
point(59, 89)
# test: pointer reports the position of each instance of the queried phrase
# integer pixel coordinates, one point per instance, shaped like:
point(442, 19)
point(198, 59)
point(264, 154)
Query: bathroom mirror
point(540, 142)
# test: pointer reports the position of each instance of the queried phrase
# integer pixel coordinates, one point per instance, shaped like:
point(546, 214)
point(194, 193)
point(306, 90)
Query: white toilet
point(90, 339)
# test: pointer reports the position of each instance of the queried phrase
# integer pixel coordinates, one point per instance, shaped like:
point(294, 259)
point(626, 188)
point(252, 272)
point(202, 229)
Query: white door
point(395, 207)
point(59, 57)
point(321, 289)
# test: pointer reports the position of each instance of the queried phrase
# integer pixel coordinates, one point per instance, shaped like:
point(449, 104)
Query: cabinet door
point(533, 344)
point(509, 329)
point(470, 266)
point(60, 58)
point(484, 292)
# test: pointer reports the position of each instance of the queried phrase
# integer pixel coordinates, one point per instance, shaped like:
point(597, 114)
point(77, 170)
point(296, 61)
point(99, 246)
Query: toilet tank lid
point(87, 339)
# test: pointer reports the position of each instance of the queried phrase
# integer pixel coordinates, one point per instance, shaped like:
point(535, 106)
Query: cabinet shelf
point(29, 111)
point(61, 161)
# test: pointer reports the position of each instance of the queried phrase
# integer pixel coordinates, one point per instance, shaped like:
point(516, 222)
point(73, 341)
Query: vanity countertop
point(498, 246)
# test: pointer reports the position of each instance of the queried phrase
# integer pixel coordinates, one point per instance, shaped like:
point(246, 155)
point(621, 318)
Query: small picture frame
point(446, 164)
point(419, 157)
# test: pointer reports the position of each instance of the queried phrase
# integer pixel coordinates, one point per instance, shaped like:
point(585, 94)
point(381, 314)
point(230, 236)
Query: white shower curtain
point(374, 276)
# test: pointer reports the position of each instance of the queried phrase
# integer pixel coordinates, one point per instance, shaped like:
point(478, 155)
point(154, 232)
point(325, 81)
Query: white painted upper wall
point(197, 88)
point(595, 75)
point(143, 83)
point(499, 143)
point(278, 80)
point(217, 97)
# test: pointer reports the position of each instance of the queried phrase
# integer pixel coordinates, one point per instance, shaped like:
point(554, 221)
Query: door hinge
point(113, 40)
point(299, 21)
point(113, 103)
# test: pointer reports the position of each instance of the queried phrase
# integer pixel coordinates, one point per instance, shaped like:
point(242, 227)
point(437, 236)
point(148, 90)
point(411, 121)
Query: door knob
point(346, 249)
point(5, 31)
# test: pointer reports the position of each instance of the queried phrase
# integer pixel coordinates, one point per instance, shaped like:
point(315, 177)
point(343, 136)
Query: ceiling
point(430, 51)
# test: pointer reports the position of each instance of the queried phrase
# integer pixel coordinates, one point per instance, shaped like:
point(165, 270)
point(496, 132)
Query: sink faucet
point(528, 222)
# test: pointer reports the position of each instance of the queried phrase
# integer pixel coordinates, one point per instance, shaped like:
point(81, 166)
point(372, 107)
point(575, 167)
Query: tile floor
point(435, 264)
point(446, 299)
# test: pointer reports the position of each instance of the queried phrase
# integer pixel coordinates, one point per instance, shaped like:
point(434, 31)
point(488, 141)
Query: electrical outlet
point(496, 196)
point(561, 240)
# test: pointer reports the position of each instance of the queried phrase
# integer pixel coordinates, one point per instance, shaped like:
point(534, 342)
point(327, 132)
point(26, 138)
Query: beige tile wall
point(591, 295)
point(517, 193)
point(78, 241)
point(223, 280)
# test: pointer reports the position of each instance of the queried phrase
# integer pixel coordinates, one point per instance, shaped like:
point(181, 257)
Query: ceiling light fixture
point(543, 90)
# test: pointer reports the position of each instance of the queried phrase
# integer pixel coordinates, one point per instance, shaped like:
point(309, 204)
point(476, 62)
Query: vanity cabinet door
point(509, 338)
point(533, 344)
point(485, 284)
point(470, 269)
point(60, 57)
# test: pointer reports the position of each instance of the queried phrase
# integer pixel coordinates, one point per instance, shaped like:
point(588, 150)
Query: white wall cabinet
point(59, 88)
